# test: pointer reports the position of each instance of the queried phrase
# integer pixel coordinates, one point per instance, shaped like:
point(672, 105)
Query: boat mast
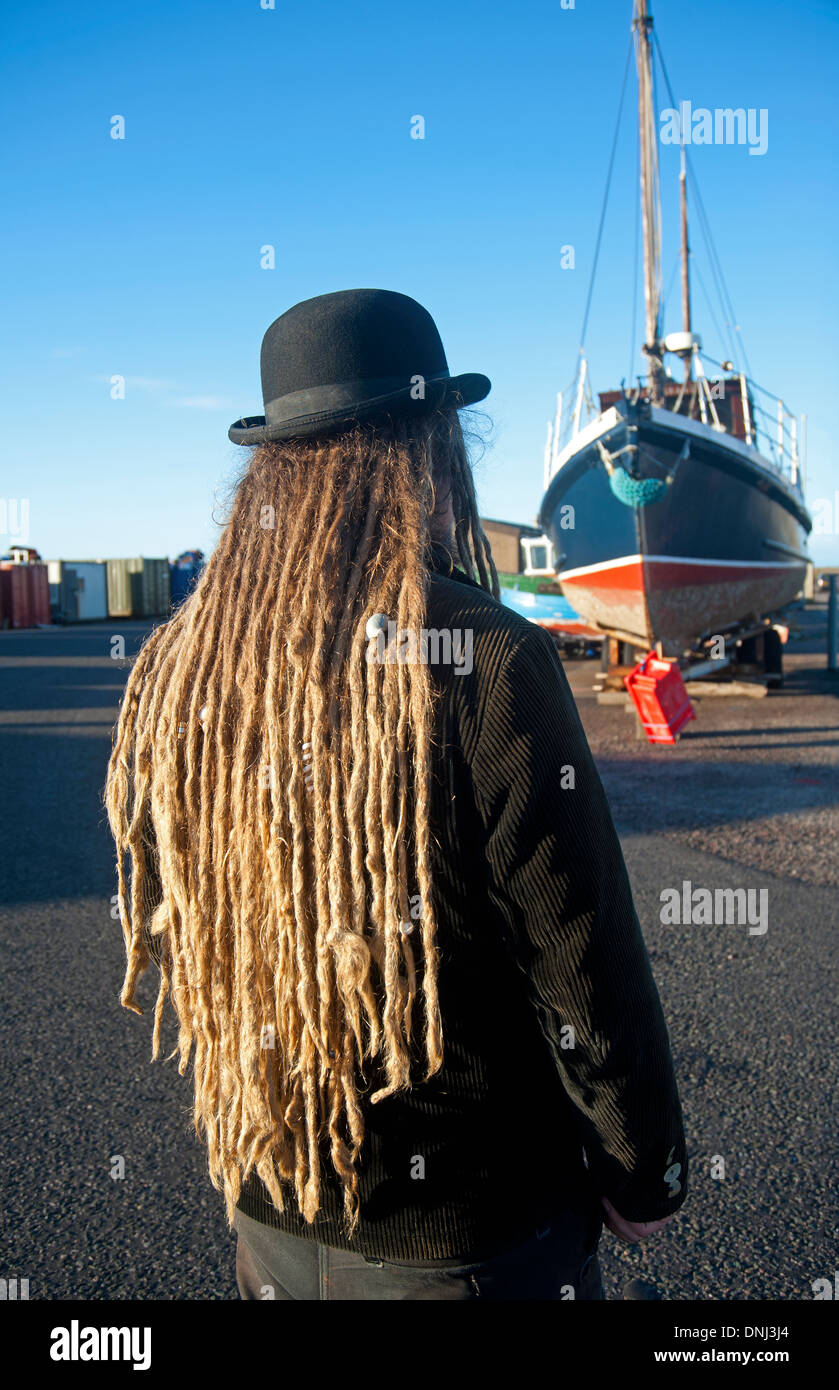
point(683, 204)
point(650, 197)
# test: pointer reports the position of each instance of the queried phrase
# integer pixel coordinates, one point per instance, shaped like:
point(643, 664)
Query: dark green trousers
point(559, 1263)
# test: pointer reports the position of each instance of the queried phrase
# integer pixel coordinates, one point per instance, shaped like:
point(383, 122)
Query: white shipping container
point(54, 581)
point(78, 588)
point(92, 590)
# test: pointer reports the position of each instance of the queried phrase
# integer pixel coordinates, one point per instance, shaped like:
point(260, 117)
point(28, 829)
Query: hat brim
point(457, 391)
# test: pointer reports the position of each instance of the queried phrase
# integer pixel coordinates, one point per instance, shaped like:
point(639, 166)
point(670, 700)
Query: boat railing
point(774, 430)
point(777, 434)
point(566, 424)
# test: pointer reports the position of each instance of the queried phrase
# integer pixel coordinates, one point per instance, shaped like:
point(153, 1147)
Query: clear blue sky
point(246, 126)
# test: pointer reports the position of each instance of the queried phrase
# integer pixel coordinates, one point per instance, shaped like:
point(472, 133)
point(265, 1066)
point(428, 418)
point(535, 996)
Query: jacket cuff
point(641, 1197)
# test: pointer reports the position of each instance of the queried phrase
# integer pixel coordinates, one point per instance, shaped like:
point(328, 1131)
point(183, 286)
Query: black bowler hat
point(352, 355)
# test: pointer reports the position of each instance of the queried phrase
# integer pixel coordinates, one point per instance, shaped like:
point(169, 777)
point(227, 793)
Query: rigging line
point(720, 333)
point(773, 395)
point(737, 346)
point(606, 197)
point(735, 328)
point(666, 295)
point(636, 276)
point(704, 217)
point(705, 227)
point(729, 316)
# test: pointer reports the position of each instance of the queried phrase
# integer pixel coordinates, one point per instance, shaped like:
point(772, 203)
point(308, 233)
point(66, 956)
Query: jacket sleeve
point(559, 883)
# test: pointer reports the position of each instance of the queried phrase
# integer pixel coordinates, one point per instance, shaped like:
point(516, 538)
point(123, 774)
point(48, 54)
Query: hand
point(630, 1231)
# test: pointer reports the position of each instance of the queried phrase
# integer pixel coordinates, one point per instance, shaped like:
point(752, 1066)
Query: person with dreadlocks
point(381, 881)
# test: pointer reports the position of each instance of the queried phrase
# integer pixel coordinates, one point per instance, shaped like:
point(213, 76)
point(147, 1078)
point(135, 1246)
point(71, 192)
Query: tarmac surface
point(748, 798)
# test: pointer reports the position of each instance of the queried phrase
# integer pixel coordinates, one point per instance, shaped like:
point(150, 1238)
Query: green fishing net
point(636, 492)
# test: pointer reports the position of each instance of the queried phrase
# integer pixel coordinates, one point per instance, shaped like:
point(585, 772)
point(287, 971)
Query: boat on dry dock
point(677, 512)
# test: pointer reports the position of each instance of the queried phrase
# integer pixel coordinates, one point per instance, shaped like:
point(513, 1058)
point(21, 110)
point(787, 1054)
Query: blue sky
point(290, 126)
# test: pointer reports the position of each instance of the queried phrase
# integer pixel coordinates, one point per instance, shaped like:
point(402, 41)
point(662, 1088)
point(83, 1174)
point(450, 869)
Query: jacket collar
point(440, 561)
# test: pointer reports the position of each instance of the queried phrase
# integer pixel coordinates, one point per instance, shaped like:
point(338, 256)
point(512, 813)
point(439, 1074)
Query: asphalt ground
point(748, 799)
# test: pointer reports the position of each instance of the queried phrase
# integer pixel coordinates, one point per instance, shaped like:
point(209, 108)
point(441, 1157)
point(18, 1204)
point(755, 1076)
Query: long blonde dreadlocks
point(279, 783)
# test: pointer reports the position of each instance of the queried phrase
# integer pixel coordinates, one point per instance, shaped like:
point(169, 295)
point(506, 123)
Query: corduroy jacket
point(558, 1082)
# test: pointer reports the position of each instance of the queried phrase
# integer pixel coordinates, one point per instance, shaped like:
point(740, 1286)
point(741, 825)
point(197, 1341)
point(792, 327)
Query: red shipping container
point(16, 605)
point(24, 594)
point(7, 583)
point(658, 694)
point(39, 594)
point(20, 597)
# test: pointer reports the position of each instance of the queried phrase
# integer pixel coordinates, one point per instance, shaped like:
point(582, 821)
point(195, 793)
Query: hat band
point(344, 394)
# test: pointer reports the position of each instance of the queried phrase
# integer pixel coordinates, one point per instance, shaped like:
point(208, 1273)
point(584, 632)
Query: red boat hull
point(661, 598)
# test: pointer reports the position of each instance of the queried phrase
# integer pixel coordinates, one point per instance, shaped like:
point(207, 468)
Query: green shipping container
point(119, 588)
point(138, 588)
point(150, 591)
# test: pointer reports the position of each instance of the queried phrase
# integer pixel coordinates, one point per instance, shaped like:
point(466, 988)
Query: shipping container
point(138, 587)
point(150, 591)
point(17, 606)
point(184, 574)
point(39, 594)
point(78, 590)
point(15, 591)
point(119, 588)
point(25, 595)
point(54, 577)
point(181, 581)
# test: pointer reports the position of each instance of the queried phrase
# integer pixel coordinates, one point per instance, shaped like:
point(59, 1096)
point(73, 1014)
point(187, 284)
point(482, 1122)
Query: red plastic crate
point(658, 693)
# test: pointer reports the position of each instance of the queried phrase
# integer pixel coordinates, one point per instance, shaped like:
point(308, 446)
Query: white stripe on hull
point(680, 560)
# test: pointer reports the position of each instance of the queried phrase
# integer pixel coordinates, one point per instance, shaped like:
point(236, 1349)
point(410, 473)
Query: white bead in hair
point(307, 766)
